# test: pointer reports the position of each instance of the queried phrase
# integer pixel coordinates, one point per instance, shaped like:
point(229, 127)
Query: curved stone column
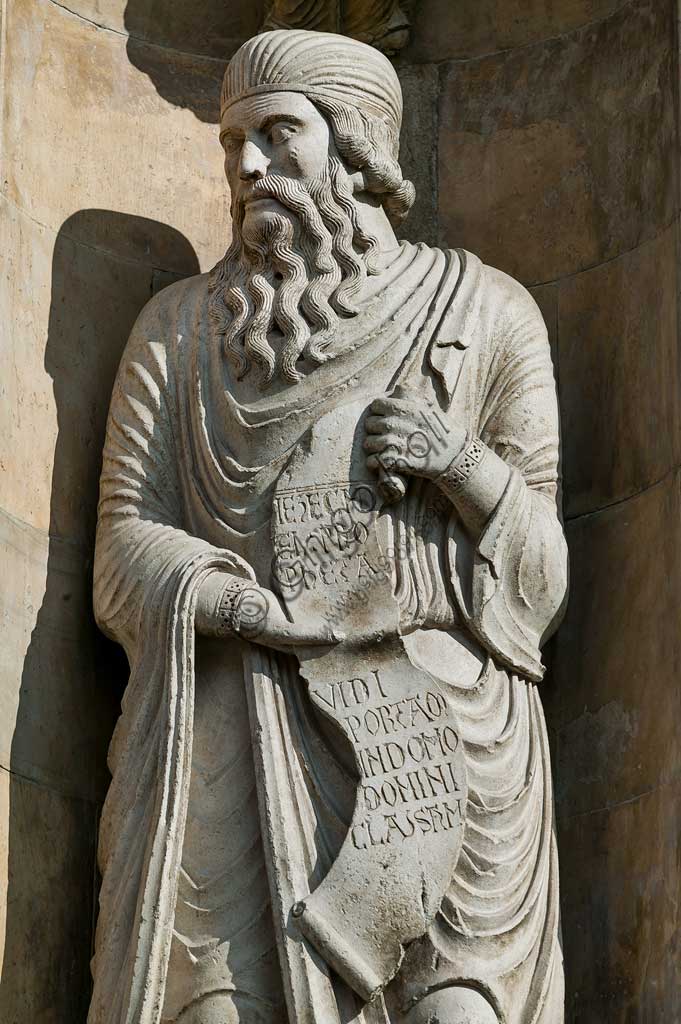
point(558, 162)
point(110, 190)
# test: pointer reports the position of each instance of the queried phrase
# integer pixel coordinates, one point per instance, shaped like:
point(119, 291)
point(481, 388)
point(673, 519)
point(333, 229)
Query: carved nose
point(253, 163)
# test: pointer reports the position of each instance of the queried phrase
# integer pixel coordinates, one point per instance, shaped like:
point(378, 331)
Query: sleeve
point(511, 586)
point(140, 537)
point(147, 575)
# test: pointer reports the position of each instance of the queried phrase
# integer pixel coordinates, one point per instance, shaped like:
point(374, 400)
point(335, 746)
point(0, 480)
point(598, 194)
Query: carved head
point(310, 124)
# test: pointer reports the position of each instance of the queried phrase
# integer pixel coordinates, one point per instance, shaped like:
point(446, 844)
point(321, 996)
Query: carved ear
point(362, 183)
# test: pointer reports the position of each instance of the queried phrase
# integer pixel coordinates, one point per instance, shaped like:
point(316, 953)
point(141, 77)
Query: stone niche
point(542, 136)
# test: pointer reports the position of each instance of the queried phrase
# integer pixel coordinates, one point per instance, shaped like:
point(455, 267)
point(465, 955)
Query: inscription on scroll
point(333, 559)
point(409, 784)
point(320, 536)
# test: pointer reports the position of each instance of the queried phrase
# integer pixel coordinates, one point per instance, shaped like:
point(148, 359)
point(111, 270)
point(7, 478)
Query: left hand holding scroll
point(409, 436)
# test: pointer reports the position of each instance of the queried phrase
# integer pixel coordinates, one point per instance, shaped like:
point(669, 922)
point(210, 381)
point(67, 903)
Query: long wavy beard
point(276, 296)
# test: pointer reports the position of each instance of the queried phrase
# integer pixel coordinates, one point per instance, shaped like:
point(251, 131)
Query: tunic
point(187, 484)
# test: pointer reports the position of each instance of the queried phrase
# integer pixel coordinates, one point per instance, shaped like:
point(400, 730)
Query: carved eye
point(281, 132)
point(230, 144)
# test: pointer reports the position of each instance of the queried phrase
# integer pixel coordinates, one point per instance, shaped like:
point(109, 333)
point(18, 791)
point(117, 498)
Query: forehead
point(252, 111)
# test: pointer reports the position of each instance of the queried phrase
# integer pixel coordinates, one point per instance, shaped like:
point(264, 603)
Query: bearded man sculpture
point(328, 541)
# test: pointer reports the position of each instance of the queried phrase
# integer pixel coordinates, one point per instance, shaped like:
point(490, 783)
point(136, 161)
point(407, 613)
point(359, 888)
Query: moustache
point(273, 186)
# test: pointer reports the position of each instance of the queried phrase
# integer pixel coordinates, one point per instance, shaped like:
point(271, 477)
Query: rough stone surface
point(617, 760)
point(56, 719)
point(523, 172)
point(384, 25)
point(332, 550)
point(47, 844)
point(619, 371)
point(74, 319)
point(57, 67)
point(418, 150)
point(620, 904)
point(612, 745)
point(443, 30)
point(210, 28)
point(85, 219)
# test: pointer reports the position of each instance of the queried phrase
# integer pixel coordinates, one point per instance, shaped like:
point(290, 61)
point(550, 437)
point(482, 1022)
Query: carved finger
point(392, 406)
point(387, 463)
point(399, 425)
point(376, 425)
point(379, 442)
point(309, 633)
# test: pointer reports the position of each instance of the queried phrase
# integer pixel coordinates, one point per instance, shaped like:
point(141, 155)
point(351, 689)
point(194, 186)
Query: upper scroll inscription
point(320, 537)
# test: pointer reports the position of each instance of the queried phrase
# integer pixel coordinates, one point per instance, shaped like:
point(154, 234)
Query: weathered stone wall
point(557, 160)
point(541, 135)
point(110, 187)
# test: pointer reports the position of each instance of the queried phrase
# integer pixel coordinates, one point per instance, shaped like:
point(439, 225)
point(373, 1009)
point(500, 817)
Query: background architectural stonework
point(544, 137)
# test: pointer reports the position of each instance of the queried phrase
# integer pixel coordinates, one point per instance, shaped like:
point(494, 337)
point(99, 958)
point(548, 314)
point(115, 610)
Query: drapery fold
point(186, 490)
point(147, 574)
point(145, 811)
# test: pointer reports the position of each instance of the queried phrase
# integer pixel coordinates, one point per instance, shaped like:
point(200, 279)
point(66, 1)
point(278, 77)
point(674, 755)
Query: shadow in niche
point(183, 48)
point(105, 267)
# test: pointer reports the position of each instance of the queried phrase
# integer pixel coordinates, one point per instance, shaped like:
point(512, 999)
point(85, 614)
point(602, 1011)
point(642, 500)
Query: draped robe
point(187, 483)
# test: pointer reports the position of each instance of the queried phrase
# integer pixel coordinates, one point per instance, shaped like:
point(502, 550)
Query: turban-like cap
point(320, 65)
point(353, 85)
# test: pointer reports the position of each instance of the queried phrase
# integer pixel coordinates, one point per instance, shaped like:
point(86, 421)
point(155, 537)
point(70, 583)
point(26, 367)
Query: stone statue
point(328, 541)
point(383, 23)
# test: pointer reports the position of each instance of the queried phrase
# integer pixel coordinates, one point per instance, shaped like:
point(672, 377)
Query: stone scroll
point(333, 560)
